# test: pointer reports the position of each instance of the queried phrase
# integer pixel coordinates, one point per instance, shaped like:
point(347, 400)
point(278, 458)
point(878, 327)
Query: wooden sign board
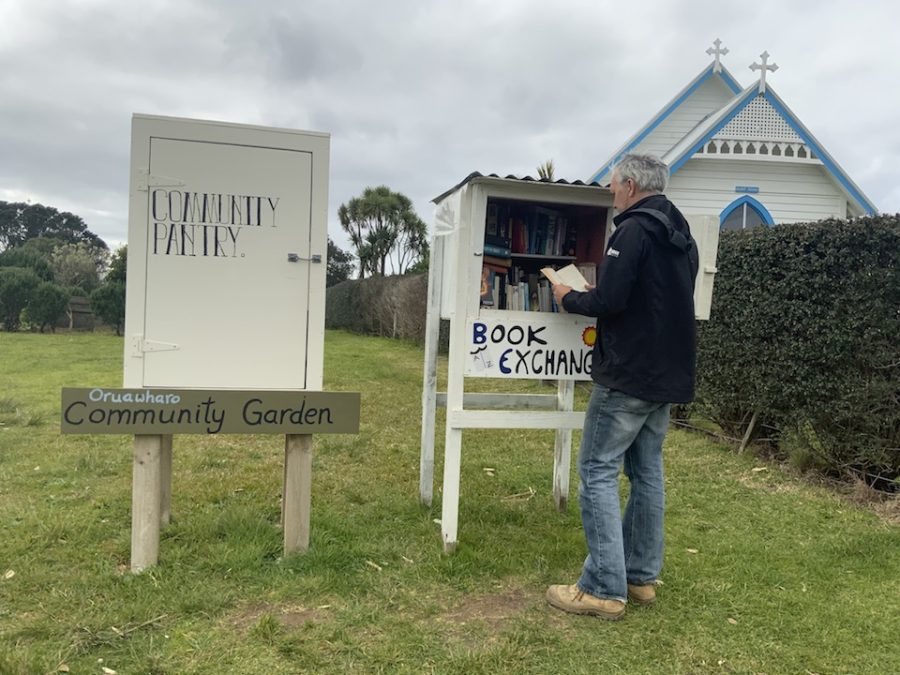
point(195, 411)
point(549, 347)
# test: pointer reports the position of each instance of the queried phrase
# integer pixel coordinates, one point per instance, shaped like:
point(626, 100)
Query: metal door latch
point(294, 257)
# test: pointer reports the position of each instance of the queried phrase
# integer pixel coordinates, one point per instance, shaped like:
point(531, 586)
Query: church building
point(742, 155)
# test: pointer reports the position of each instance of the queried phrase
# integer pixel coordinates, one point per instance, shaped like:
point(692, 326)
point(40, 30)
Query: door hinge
point(140, 346)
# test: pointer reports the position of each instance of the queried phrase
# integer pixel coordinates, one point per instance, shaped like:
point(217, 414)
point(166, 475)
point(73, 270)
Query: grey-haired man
point(643, 361)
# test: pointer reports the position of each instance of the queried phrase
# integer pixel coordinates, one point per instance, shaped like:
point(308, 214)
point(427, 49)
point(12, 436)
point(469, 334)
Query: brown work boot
point(642, 595)
point(575, 601)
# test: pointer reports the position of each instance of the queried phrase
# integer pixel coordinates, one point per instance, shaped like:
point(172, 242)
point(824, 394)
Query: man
point(643, 361)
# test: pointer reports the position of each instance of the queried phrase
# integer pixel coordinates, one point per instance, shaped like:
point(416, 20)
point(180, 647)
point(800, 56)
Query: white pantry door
point(226, 305)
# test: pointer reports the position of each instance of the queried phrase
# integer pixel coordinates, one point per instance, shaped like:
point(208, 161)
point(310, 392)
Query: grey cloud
point(417, 95)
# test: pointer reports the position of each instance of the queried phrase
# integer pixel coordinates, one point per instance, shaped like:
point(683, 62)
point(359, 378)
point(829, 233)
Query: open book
point(568, 276)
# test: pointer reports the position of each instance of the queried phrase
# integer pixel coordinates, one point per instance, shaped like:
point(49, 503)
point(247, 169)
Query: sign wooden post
point(297, 495)
point(145, 501)
point(165, 479)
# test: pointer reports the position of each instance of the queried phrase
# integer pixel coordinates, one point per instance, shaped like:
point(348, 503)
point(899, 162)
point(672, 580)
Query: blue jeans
point(621, 550)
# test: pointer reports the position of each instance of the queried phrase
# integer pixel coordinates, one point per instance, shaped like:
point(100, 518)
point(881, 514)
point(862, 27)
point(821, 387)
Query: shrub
point(389, 306)
point(108, 303)
point(804, 331)
point(77, 265)
point(29, 259)
point(46, 305)
point(16, 286)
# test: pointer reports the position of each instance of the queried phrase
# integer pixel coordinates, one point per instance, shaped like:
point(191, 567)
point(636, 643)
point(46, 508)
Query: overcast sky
point(418, 94)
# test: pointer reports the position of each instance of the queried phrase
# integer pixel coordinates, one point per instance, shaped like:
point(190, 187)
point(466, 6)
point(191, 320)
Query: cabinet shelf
point(535, 256)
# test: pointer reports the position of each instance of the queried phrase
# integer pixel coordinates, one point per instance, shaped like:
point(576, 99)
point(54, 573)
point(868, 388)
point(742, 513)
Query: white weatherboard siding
point(708, 98)
point(790, 192)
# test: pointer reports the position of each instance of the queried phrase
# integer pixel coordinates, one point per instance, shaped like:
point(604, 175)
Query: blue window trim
point(754, 204)
point(664, 115)
point(830, 166)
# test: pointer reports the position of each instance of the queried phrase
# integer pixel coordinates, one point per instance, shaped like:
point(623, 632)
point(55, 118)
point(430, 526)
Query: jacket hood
point(662, 220)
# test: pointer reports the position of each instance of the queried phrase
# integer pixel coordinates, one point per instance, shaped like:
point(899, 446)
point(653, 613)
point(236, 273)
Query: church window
point(743, 214)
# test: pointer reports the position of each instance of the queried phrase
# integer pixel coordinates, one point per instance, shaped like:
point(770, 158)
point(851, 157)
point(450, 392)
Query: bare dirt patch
point(758, 482)
point(244, 618)
point(886, 507)
point(494, 609)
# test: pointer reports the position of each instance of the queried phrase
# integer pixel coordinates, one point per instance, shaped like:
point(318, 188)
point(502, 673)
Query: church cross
point(764, 67)
point(717, 52)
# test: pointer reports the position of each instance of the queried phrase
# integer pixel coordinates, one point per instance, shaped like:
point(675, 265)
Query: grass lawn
point(763, 574)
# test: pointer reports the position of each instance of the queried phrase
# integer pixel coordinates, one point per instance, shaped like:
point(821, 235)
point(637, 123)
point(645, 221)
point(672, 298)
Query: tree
point(411, 245)
point(421, 265)
point(108, 302)
point(47, 303)
point(43, 246)
point(75, 265)
point(380, 223)
point(16, 286)
point(29, 259)
point(20, 222)
point(340, 264)
point(118, 265)
point(545, 170)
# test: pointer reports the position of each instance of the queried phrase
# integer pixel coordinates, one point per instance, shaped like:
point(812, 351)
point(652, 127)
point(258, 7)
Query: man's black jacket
point(644, 304)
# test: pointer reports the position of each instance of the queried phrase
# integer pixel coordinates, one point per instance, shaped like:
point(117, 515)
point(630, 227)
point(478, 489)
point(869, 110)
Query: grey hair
point(649, 173)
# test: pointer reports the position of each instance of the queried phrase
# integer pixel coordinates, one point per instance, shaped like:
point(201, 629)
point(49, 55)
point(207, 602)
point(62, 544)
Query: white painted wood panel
point(790, 192)
point(214, 211)
point(708, 98)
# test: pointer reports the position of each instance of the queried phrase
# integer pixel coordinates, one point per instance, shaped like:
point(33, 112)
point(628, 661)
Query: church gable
point(706, 94)
point(707, 99)
point(712, 120)
point(758, 126)
point(757, 129)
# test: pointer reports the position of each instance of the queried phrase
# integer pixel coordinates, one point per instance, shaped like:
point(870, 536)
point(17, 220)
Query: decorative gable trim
point(715, 125)
point(664, 114)
point(759, 121)
point(833, 167)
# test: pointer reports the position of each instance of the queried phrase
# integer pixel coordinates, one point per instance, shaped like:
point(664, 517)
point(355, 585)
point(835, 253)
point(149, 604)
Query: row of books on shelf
point(539, 231)
point(517, 289)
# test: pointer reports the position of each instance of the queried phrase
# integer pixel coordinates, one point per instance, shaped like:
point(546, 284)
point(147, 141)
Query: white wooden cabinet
point(487, 339)
point(493, 341)
point(227, 243)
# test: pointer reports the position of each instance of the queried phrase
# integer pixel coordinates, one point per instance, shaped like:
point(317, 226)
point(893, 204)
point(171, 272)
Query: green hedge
point(389, 306)
point(805, 331)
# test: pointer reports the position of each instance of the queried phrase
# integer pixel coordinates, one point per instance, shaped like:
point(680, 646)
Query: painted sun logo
point(589, 336)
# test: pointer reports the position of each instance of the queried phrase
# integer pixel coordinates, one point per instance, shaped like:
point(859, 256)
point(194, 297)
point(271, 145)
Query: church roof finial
point(716, 52)
point(764, 67)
